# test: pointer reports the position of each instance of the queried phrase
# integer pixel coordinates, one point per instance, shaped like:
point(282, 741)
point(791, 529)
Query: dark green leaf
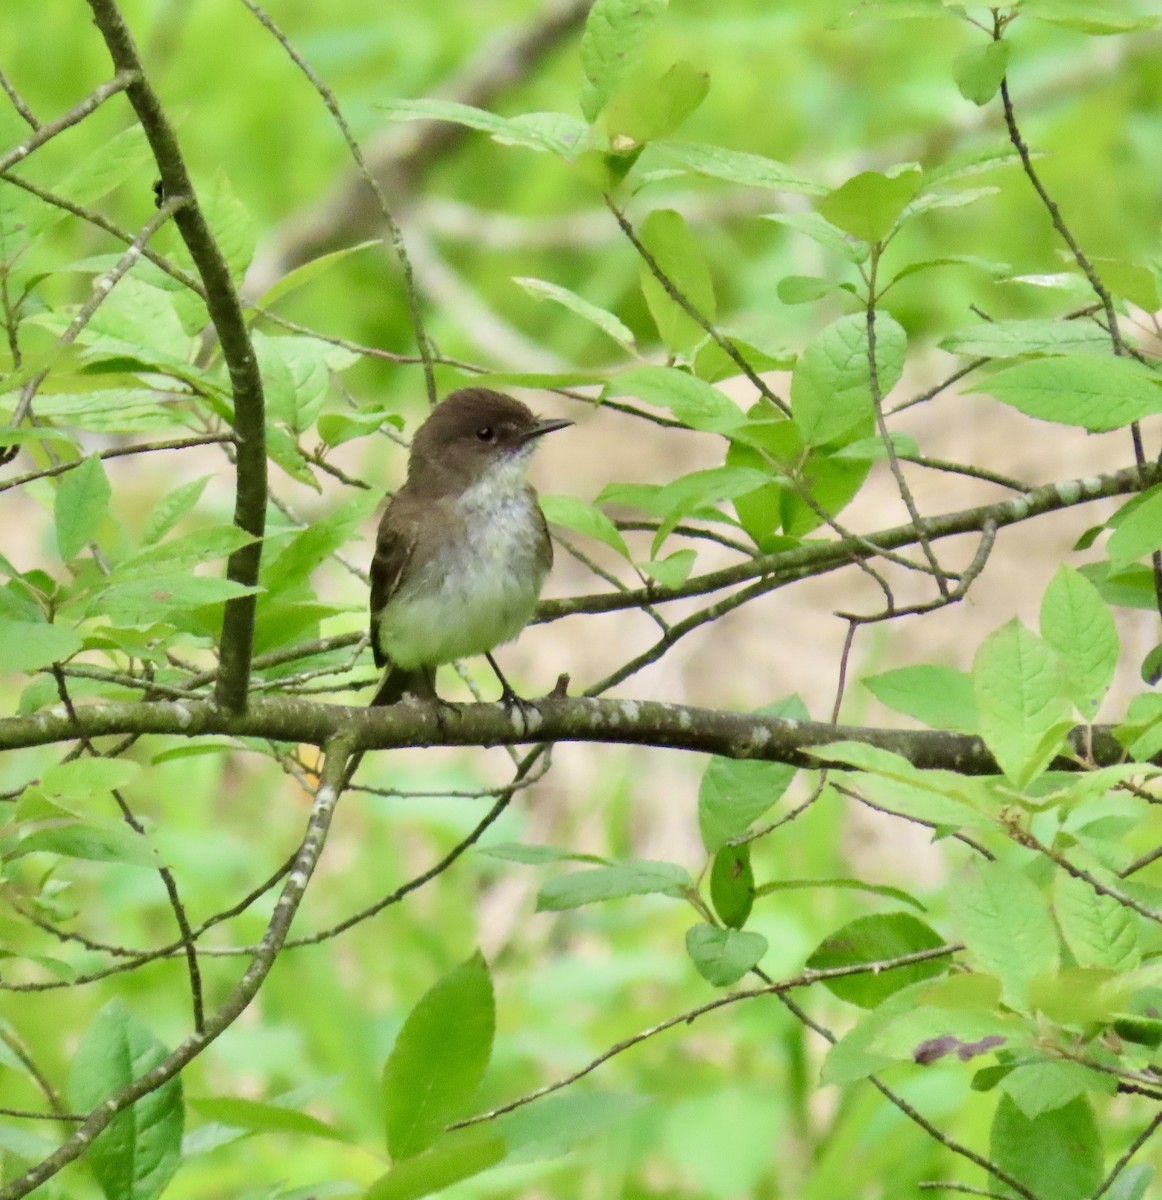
point(732, 885)
point(876, 939)
point(1059, 1154)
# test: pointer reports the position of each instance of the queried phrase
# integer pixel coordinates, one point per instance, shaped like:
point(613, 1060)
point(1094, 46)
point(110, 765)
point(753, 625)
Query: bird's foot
point(513, 704)
point(442, 709)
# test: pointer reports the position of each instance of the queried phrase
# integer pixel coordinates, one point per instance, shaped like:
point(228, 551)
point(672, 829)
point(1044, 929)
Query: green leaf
point(156, 598)
point(1139, 532)
point(180, 553)
point(612, 883)
point(867, 205)
point(830, 386)
point(1020, 694)
point(732, 885)
point(855, 885)
point(736, 166)
point(1005, 921)
point(671, 571)
point(460, 1155)
point(614, 42)
point(335, 428)
point(170, 509)
point(28, 645)
point(804, 289)
point(300, 276)
point(230, 223)
point(700, 491)
point(556, 133)
point(875, 939)
point(309, 548)
point(654, 107)
point(736, 791)
point(137, 1153)
point(695, 403)
point(82, 777)
point(1016, 338)
point(939, 697)
point(1099, 394)
point(82, 499)
point(1040, 1087)
point(723, 956)
point(1059, 1154)
point(541, 289)
point(1077, 623)
point(573, 513)
point(978, 72)
point(439, 1058)
point(1099, 931)
point(820, 230)
point(96, 843)
point(1087, 16)
point(265, 1118)
point(535, 856)
point(676, 252)
point(555, 1124)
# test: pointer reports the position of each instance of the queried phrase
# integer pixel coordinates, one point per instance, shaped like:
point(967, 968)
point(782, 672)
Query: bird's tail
point(397, 683)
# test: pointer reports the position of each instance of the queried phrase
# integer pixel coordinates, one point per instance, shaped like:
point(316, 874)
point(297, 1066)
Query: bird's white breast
point(483, 588)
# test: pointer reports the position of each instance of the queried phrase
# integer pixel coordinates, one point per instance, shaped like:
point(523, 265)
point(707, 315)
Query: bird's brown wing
point(394, 546)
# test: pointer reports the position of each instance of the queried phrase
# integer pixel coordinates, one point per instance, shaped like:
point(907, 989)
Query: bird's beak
point(546, 425)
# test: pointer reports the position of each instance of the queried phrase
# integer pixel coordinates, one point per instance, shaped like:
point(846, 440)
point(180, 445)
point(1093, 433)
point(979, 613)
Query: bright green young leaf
point(671, 571)
point(1099, 394)
point(459, 1155)
point(265, 1118)
point(695, 403)
point(877, 938)
point(229, 222)
point(1098, 930)
point(1090, 16)
point(737, 166)
point(700, 490)
point(613, 883)
point(571, 512)
point(872, 449)
point(855, 885)
point(182, 553)
point(309, 271)
point(137, 1153)
point(1040, 1087)
point(1020, 695)
point(158, 597)
point(82, 499)
point(676, 251)
point(1077, 623)
point(732, 885)
point(537, 855)
point(170, 509)
point(1139, 533)
point(713, 364)
point(614, 41)
point(1004, 919)
point(830, 387)
point(28, 645)
point(723, 956)
point(820, 230)
point(82, 777)
point(979, 71)
point(310, 547)
point(655, 107)
point(736, 791)
point(867, 205)
point(804, 289)
point(335, 428)
point(1016, 338)
point(439, 1058)
point(541, 289)
point(1059, 1154)
point(939, 697)
point(556, 133)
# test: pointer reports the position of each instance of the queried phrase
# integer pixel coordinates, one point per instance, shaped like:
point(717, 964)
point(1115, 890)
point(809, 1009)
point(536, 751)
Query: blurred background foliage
point(733, 1109)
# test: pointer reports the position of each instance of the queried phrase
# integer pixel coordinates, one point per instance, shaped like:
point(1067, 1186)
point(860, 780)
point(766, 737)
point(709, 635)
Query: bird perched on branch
point(463, 549)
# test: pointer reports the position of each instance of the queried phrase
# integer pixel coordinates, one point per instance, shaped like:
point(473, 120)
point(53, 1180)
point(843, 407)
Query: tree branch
point(246, 382)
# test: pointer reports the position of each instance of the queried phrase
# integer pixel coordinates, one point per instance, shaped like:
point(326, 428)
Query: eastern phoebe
point(463, 549)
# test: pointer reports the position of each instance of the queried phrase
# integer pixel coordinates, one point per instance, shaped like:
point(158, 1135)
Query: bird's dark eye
point(486, 433)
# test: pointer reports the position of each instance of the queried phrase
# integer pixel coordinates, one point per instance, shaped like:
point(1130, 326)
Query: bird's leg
point(422, 686)
point(508, 695)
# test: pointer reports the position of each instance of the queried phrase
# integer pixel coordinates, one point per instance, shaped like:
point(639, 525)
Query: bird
point(462, 549)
